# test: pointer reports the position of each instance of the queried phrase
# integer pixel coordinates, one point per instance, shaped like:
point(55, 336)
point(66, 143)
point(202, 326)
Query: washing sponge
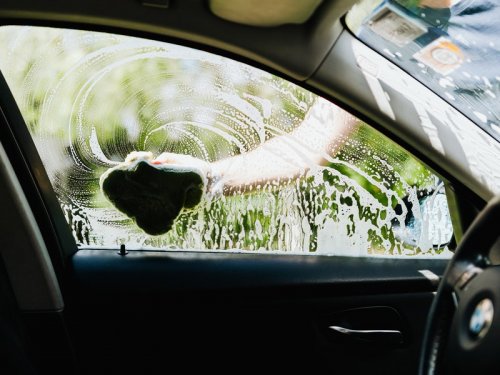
point(152, 194)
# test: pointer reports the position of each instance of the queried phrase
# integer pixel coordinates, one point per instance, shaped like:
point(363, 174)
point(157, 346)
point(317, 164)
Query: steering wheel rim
point(466, 301)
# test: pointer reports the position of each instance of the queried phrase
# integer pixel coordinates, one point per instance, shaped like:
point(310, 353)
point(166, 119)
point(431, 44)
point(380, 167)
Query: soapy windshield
point(451, 46)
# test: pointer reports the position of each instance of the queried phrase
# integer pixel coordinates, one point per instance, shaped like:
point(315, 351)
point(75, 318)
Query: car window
point(288, 171)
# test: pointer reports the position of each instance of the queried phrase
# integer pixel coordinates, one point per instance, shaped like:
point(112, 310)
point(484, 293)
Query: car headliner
point(319, 54)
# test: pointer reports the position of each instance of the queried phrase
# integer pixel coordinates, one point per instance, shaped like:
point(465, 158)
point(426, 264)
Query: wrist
point(215, 184)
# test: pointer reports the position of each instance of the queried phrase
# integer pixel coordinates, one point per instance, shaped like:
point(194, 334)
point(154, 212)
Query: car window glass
point(323, 182)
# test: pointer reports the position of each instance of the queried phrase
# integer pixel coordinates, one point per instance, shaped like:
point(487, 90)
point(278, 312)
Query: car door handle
point(385, 336)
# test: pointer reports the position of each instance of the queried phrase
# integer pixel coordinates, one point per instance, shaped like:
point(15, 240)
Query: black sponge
point(153, 195)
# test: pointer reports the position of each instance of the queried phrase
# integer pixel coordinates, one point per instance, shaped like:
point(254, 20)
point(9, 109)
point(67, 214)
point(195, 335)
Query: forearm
point(287, 156)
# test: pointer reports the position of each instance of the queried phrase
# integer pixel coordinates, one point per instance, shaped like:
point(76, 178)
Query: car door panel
point(226, 311)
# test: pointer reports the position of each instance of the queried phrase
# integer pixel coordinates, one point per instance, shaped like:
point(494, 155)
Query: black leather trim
point(104, 271)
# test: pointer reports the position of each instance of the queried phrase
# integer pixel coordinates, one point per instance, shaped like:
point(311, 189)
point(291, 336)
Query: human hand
point(436, 4)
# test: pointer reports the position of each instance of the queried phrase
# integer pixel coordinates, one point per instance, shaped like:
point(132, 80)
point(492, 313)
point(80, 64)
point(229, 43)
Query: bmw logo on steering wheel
point(481, 319)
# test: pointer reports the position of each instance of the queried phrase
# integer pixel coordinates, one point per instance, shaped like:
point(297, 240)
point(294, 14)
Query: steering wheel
point(463, 329)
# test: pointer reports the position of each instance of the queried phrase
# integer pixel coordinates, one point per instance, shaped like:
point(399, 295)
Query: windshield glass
point(157, 146)
point(449, 45)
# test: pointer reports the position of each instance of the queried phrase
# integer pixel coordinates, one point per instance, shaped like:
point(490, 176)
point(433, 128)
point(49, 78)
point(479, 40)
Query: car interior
point(66, 309)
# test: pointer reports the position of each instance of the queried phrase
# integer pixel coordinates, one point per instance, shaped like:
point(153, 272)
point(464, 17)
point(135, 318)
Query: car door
point(216, 293)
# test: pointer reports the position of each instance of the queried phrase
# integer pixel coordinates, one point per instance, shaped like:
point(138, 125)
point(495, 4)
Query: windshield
point(449, 45)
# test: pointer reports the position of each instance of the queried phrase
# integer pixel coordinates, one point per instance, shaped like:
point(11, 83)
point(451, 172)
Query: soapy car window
point(92, 100)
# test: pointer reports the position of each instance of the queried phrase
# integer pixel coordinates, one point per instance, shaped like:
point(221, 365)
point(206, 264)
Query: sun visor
point(264, 13)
